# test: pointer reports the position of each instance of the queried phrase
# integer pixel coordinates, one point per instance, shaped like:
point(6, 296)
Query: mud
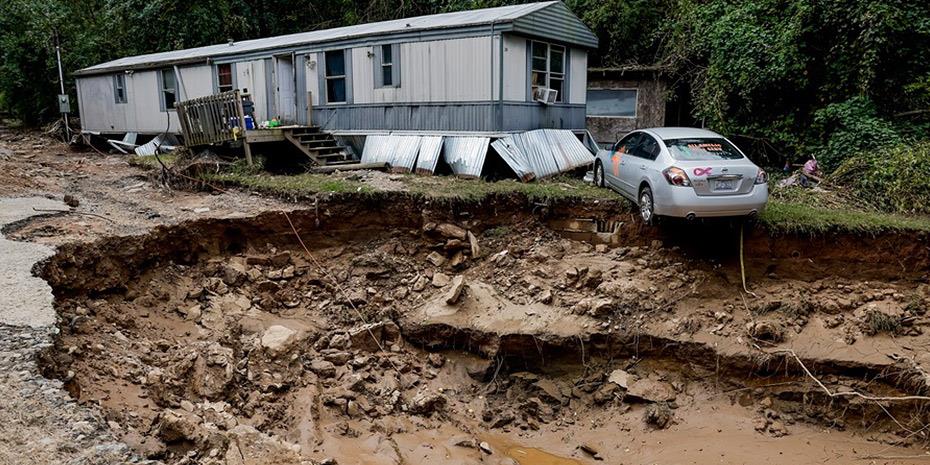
point(492, 333)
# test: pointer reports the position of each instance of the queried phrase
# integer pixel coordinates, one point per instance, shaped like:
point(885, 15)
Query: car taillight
point(762, 177)
point(677, 177)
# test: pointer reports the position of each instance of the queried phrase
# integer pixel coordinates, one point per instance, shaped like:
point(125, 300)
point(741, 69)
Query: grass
point(790, 211)
point(794, 217)
point(879, 323)
point(300, 185)
point(432, 187)
point(147, 162)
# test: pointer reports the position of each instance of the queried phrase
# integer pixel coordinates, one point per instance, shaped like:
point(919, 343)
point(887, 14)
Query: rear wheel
point(598, 174)
point(647, 206)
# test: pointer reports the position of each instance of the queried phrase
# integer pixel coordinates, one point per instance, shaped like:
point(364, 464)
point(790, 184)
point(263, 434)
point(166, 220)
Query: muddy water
point(530, 456)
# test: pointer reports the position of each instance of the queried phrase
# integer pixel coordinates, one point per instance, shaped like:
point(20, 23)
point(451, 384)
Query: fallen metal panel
point(376, 149)
point(398, 151)
point(430, 146)
point(543, 152)
point(163, 144)
point(403, 156)
point(466, 155)
point(514, 158)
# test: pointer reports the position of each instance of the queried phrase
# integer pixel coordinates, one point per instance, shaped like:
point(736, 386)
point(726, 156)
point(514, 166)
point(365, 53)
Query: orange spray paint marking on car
point(615, 160)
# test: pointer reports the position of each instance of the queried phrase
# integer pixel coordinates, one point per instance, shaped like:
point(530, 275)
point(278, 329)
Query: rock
point(479, 369)
point(766, 402)
point(545, 297)
point(386, 333)
point(191, 313)
point(427, 402)
point(590, 450)
point(620, 378)
point(457, 260)
point(455, 292)
point(71, 201)
point(469, 443)
point(454, 244)
point(766, 331)
point(650, 390)
point(549, 391)
point(338, 358)
point(658, 415)
point(234, 272)
point(473, 244)
point(451, 231)
point(435, 258)
point(485, 447)
point(323, 368)
point(441, 280)
point(420, 284)
point(436, 360)
point(174, 427)
point(278, 338)
point(606, 393)
point(280, 259)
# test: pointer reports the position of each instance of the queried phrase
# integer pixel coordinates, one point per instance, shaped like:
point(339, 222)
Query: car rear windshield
point(702, 149)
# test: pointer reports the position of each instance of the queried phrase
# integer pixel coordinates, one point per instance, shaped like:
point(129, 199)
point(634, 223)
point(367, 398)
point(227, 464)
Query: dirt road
point(454, 333)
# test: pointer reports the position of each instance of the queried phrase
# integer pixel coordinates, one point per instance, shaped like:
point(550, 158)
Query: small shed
point(622, 99)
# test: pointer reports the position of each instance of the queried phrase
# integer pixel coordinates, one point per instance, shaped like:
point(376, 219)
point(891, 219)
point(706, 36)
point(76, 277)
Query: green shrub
point(851, 127)
point(895, 179)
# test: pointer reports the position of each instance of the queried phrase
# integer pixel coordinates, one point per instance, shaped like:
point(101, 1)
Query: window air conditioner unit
point(545, 96)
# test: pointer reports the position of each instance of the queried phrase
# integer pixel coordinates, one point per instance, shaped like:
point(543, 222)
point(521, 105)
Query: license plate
point(725, 185)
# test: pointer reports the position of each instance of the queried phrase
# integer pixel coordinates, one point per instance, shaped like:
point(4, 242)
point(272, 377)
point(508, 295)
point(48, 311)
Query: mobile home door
point(285, 89)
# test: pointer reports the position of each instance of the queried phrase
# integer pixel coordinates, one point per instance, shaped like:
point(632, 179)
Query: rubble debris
point(456, 290)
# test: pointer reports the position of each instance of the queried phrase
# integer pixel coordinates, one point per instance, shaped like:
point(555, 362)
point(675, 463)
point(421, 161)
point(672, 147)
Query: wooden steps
point(320, 147)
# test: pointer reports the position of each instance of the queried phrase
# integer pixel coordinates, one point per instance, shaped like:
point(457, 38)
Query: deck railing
point(213, 119)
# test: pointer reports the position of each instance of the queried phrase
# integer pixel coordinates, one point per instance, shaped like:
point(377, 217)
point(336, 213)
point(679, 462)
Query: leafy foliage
point(895, 178)
point(795, 71)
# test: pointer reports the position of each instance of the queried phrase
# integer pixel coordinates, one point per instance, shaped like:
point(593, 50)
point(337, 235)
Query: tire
point(599, 174)
point(647, 206)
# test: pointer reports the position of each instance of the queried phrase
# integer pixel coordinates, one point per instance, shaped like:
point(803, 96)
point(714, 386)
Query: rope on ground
point(345, 295)
point(742, 265)
point(845, 393)
point(315, 261)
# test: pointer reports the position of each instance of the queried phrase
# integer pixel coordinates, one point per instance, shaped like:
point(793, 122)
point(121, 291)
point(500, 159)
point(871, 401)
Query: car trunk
point(720, 177)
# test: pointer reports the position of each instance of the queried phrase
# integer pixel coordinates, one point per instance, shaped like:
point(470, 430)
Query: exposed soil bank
point(431, 328)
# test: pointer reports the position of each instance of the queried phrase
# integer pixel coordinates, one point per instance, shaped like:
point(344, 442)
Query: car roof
point(680, 133)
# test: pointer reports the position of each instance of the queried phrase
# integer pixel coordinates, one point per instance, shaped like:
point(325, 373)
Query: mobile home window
point(224, 77)
point(387, 66)
point(548, 68)
point(612, 102)
point(168, 88)
point(119, 88)
point(336, 76)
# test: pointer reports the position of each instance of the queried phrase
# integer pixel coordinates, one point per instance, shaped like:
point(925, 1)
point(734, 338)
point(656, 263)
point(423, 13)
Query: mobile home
point(489, 72)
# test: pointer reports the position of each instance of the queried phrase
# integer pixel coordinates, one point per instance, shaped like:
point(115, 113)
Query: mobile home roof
point(551, 20)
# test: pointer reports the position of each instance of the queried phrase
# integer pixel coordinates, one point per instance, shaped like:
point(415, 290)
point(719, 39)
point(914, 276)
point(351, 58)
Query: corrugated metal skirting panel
point(430, 148)
point(400, 152)
point(542, 153)
point(466, 155)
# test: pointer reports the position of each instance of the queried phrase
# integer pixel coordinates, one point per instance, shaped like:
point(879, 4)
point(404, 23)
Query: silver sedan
point(682, 172)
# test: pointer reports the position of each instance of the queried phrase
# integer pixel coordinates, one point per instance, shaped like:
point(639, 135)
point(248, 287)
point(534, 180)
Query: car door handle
point(642, 167)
